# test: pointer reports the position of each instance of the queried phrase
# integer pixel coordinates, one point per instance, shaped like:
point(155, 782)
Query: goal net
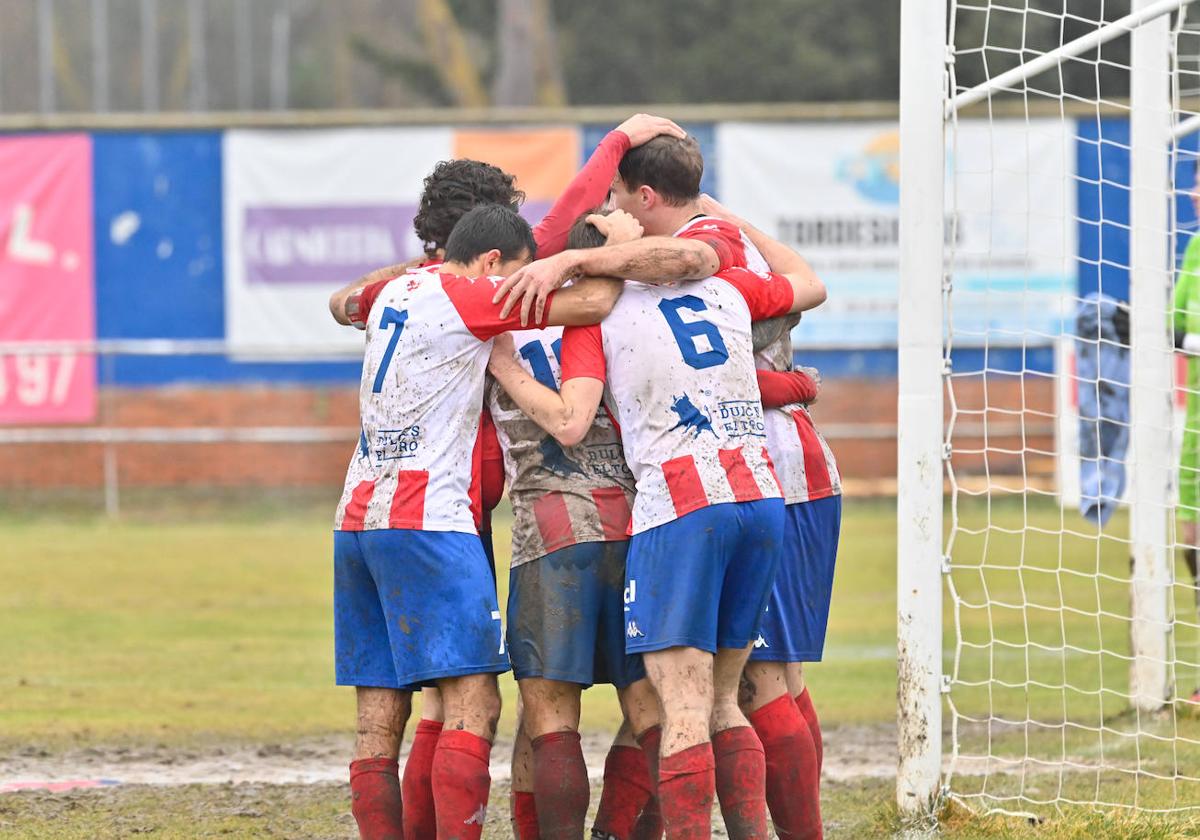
point(1071, 646)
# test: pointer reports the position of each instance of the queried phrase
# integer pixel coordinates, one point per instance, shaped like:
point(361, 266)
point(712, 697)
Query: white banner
point(306, 212)
point(832, 192)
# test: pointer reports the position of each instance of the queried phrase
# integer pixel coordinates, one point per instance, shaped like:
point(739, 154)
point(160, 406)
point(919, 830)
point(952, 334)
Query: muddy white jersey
point(428, 338)
point(561, 495)
point(678, 369)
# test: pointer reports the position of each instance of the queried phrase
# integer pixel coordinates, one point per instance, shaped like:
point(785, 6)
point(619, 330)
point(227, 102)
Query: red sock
point(419, 819)
point(686, 784)
point(524, 815)
point(741, 782)
point(461, 782)
point(626, 791)
point(650, 824)
point(792, 792)
point(560, 784)
point(804, 701)
point(375, 798)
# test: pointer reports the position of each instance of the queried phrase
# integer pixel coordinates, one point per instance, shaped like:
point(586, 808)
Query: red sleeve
point(366, 297)
point(768, 295)
point(722, 237)
point(583, 353)
point(785, 387)
point(472, 298)
point(491, 472)
point(586, 191)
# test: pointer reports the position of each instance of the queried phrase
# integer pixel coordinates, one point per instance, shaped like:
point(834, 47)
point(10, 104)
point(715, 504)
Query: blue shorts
point(411, 607)
point(793, 628)
point(702, 580)
point(566, 617)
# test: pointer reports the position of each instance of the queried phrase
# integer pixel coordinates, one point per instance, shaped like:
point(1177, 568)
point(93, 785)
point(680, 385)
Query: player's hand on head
point(531, 285)
point(641, 128)
point(617, 227)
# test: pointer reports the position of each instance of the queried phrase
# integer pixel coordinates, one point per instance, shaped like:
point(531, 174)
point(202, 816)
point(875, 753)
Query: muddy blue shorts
point(411, 607)
point(566, 617)
point(703, 579)
point(793, 627)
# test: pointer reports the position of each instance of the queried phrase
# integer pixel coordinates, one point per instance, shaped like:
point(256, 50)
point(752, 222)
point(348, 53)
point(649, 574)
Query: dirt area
point(851, 752)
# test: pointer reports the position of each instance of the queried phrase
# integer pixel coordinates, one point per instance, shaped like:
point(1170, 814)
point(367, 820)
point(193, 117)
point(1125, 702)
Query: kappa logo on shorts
point(633, 631)
point(760, 642)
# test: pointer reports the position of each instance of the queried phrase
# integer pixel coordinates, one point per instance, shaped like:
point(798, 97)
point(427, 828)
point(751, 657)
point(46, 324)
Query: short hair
point(670, 166)
point(584, 234)
point(486, 227)
point(453, 188)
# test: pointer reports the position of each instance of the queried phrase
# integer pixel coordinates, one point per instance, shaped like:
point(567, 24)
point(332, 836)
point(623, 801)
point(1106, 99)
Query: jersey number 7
point(688, 333)
point(390, 317)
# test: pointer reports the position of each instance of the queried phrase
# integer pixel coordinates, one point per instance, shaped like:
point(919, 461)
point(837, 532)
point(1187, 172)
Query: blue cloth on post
point(1102, 374)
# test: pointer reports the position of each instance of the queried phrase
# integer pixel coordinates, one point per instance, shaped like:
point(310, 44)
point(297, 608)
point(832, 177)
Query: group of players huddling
point(676, 513)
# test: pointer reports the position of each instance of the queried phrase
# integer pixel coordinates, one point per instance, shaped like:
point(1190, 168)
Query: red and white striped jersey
point(679, 373)
point(428, 338)
point(803, 460)
point(560, 495)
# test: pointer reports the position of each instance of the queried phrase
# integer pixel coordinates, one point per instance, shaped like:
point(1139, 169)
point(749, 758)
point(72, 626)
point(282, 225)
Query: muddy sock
point(626, 791)
point(461, 782)
point(686, 785)
point(792, 791)
point(649, 825)
point(524, 815)
point(805, 704)
point(560, 785)
point(375, 798)
point(417, 786)
point(741, 777)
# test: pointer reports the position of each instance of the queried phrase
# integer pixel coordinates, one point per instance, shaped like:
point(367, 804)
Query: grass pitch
point(211, 624)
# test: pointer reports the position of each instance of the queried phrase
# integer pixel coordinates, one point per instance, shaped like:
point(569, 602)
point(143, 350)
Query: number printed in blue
point(535, 353)
point(690, 334)
point(390, 318)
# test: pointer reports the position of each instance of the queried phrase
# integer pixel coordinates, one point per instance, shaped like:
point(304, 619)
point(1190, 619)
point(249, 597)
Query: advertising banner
point(307, 212)
point(832, 191)
point(47, 288)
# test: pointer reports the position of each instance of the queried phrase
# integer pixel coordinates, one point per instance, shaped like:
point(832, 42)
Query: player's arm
point(339, 299)
point(589, 188)
point(584, 302)
point(779, 388)
point(807, 289)
point(566, 414)
point(653, 259)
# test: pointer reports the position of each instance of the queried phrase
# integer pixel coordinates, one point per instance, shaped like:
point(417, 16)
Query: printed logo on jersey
point(690, 417)
point(742, 418)
point(555, 460)
point(363, 451)
point(394, 444)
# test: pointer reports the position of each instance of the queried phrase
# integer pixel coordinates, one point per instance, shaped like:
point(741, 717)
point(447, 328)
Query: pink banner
point(47, 288)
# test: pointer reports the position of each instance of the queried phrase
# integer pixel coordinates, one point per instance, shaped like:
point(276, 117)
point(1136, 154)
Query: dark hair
point(486, 227)
point(584, 234)
point(453, 188)
point(668, 165)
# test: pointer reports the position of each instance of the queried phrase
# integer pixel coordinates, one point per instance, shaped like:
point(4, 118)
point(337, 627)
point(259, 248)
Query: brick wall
point(857, 415)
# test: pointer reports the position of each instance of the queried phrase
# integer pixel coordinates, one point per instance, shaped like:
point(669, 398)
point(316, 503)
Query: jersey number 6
point(688, 333)
point(390, 317)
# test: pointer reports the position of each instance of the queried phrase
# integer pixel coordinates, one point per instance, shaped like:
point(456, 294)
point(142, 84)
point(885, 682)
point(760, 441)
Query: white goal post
point(1109, 732)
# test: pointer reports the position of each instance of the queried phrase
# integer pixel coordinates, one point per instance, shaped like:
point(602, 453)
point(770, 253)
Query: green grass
point(213, 623)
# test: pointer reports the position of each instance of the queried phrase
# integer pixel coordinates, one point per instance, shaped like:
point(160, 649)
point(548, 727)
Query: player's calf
point(560, 783)
point(737, 751)
point(461, 779)
point(374, 781)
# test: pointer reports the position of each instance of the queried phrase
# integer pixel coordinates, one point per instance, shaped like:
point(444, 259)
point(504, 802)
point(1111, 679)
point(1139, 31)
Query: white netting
point(1040, 706)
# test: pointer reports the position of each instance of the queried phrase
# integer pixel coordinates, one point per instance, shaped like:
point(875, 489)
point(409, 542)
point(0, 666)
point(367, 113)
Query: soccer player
point(414, 597)
point(676, 367)
point(449, 191)
point(773, 693)
point(565, 608)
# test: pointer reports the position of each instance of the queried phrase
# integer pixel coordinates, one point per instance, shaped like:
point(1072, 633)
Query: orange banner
point(543, 160)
